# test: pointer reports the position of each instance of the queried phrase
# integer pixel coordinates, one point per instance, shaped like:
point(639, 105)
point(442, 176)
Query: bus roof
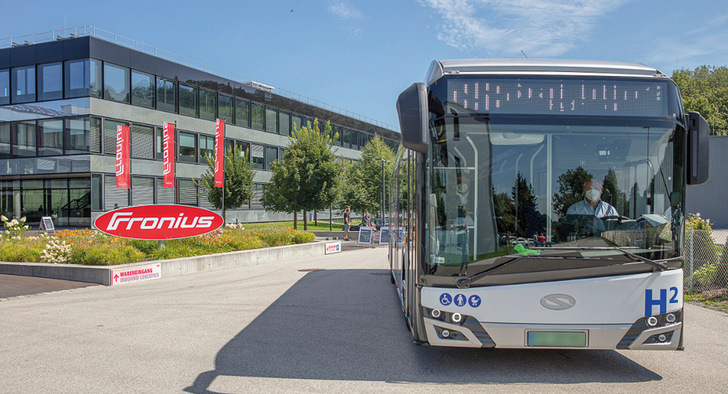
point(439, 68)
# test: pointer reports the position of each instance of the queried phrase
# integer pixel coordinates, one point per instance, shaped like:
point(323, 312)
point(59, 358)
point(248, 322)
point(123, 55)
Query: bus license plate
point(556, 339)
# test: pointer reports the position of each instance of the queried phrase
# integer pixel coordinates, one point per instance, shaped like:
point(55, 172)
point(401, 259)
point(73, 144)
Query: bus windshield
point(504, 185)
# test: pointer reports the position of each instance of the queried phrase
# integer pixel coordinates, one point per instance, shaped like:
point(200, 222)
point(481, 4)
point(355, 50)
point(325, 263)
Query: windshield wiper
point(465, 282)
point(660, 266)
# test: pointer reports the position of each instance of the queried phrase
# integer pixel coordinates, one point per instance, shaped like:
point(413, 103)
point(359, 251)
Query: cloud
point(538, 27)
point(690, 48)
point(344, 10)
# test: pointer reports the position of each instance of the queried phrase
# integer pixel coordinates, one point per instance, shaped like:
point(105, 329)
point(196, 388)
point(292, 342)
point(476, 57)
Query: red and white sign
point(135, 273)
point(123, 172)
point(168, 155)
point(333, 247)
point(158, 222)
point(219, 153)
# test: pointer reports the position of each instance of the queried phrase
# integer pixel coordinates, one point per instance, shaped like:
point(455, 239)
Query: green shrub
point(26, 251)
point(105, 254)
point(705, 275)
point(301, 237)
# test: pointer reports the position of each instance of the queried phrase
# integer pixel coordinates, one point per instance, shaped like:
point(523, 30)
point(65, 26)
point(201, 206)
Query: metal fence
point(706, 263)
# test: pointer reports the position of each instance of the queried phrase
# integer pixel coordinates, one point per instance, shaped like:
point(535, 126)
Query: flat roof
point(440, 68)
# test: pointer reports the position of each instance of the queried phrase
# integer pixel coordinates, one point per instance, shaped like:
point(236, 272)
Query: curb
point(169, 268)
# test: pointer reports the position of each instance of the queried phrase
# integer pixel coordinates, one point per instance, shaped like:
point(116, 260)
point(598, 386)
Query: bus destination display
point(558, 97)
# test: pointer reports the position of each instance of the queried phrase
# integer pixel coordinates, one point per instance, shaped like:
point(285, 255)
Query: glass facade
point(4, 87)
point(208, 103)
point(165, 95)
point(187, 100)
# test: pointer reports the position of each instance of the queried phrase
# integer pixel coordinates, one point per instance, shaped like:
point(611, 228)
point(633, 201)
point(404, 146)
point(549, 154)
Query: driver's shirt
point(584, 208)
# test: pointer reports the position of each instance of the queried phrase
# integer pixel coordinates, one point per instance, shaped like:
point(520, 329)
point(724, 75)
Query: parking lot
point(319, 324)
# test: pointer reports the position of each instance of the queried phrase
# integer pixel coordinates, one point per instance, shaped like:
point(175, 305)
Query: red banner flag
point(219, 153)
point(168, 155)
point(123, 170)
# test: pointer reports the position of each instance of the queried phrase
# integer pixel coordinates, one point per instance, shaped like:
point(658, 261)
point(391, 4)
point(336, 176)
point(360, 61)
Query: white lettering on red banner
point(123, 172)
point(219, 153)
point(168, 155)
point(158, 222)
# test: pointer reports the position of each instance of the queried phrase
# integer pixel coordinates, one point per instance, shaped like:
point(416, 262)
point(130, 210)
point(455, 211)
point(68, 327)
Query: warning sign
point(136, 273)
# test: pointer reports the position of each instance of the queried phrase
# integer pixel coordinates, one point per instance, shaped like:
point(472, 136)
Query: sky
point(359, 55)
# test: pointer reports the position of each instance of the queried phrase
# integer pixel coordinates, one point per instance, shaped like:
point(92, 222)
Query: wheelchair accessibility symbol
point(445, 299)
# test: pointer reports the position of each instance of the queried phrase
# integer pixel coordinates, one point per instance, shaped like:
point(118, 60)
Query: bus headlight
point(456, 317)
point(651, 321)
point(445, 333)
point(670, 318)
point(435, 313)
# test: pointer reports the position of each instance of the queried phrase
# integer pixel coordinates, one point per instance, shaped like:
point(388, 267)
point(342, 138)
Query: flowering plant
point(14, 228)
point(56, 251)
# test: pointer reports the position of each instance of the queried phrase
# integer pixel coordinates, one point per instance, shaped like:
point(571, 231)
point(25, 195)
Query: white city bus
point(542, 205)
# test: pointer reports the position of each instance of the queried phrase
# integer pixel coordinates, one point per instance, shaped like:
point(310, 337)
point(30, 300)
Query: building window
point(142, 89)
point(208, 102)
point(187, 192)
point(5, 140)
point(114, 198)
point(242, 112)
point(187, 147)
point(142, 141)
point(110, 135)
point(284, 123)
point(77, 78)
point(257, 155)
point(25, 133)
point(95, 85)
point(244, 148)
point(165, 95)
point(4, 86)
point(225, 108)
point(51, 137)
point(163, 195)
point(271, 120)
point(50, 81)
point(187, 100)
point(142, 190)
point(116, 83)
point(23, 84)
point(79, 209)
point(96, 195)
point(257, 116)
point(79, 136)
point(207, 148)
point(296, 122)
point(271, 155)
point(255, 200)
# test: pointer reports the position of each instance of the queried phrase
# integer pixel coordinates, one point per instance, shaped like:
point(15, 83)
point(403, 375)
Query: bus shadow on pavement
point(348, 325)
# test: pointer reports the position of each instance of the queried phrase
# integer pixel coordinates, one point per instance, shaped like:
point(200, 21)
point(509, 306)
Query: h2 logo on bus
point(661, 302)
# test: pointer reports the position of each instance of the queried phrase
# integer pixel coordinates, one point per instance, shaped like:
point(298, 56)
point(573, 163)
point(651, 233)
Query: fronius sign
point(158, 222)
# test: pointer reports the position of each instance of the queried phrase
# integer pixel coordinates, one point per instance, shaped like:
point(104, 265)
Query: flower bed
point(92, 247)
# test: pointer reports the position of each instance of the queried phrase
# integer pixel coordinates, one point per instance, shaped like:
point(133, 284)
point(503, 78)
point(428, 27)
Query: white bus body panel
point(603, 307)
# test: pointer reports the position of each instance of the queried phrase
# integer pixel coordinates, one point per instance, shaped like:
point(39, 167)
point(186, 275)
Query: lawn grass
point(713, 299)
point(322, 225)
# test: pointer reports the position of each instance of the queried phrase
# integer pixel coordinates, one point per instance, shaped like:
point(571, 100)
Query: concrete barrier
point(173, 267)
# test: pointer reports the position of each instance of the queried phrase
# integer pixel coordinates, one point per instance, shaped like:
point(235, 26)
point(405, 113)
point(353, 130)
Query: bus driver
point(592, 203)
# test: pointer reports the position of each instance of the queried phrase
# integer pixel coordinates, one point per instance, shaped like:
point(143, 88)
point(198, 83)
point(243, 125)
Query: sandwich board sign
point(46, 223)
point(365, 236)
point(384, 237)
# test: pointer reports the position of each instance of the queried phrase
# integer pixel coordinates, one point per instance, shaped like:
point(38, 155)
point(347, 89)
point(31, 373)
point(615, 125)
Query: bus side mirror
point(698, 149)
point(413, 113)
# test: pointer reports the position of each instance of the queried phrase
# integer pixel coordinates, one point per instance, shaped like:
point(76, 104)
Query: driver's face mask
point(593, 194)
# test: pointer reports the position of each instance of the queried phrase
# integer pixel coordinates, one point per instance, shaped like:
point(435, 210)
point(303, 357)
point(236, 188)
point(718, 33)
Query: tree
point(307, 178)
point(571, 189)
point(238, 180)
point(363, 186)
point(705, 90)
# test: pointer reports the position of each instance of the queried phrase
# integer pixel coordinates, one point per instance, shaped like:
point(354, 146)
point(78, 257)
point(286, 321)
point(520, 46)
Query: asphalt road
point(319, 324)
